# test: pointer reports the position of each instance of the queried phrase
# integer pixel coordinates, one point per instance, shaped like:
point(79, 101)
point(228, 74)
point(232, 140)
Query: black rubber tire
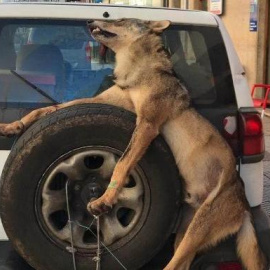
point(59, 133)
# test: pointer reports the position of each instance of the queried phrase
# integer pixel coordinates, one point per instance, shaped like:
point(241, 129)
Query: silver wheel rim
point(88, 171)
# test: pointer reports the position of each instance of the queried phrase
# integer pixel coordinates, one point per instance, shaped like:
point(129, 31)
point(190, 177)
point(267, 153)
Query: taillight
point(251, 134)
point(229, 266)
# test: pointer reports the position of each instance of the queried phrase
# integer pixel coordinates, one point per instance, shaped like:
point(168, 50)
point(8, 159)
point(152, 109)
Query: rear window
point(62, 36)
point(47, 61)
point(200, 62)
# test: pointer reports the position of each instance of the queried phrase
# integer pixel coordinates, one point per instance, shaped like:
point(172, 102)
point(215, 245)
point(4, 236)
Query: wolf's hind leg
point(213, 221)
point(113, 96)
point(187, 214)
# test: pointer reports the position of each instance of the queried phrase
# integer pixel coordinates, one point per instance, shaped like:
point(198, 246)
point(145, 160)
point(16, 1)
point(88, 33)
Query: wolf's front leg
point(18, 127)
point(112, 96)
point(11, 129)
point(142, 136)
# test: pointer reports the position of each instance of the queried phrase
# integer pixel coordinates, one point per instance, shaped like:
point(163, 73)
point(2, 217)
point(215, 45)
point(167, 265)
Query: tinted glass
point(200, 61)
point(63, 62)
point(43, 62)
point(48, 61)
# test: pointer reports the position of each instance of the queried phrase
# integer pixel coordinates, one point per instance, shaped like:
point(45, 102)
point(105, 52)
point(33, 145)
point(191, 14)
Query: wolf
point(145, 84)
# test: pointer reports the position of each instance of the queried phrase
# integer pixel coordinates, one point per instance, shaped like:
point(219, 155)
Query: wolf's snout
point(92, 26)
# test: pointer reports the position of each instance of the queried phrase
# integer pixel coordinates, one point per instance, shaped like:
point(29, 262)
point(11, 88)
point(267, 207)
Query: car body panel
point(252, 174)
point(87, 11)
point(91, 11)
point(3, 157)
point(3, 235)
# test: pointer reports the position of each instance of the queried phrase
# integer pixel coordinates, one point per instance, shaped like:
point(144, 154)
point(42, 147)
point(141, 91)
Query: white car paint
point(3, 235)
point(252, 174)
point(3, 158)
point(95, 11)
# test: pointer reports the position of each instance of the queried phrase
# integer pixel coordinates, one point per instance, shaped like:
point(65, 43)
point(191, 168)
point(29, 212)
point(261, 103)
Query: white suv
point(39, 69)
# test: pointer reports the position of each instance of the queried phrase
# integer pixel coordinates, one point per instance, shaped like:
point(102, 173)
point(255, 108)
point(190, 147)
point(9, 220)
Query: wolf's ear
point(159, 26)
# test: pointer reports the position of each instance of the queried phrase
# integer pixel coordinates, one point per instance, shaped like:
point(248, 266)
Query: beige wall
point(195, 4)
point(236, 19)
point(263, 65)
point(236, 15)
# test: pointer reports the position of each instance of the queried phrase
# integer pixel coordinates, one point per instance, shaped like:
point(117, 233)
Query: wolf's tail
point(248, 247)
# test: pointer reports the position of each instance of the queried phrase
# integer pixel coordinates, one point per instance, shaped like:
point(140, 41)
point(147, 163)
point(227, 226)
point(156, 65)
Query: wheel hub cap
point(88, 173)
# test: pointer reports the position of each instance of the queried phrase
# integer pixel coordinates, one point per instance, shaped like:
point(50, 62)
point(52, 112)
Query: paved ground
point(266, 199)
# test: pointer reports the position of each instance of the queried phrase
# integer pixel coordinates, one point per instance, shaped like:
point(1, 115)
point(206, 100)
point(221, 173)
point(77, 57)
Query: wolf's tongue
point(102, 50)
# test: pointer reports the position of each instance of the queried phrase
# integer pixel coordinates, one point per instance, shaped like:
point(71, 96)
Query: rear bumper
point(226, 250)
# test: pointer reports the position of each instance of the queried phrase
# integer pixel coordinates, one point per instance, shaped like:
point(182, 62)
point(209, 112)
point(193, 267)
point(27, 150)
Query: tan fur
point(248, 244)
point(146, 85)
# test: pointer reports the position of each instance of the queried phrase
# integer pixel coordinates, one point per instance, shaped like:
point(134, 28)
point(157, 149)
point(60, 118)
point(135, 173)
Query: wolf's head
point(121, 33)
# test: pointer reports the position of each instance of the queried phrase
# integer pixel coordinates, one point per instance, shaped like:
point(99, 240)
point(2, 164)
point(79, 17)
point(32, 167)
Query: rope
point(97, 258)
point(88, 228)
point(72, 250)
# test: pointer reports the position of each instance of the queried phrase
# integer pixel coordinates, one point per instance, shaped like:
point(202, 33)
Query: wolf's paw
point(103, 204)
point(97, 208)
point(12, 129)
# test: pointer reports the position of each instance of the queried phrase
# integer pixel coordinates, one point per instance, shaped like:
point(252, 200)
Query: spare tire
point(75, 150)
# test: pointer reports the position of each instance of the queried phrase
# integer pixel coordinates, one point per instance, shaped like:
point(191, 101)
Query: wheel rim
point(88, 171)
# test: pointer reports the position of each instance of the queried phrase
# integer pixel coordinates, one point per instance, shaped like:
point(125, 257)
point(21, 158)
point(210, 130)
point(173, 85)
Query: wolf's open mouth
point(99, 31)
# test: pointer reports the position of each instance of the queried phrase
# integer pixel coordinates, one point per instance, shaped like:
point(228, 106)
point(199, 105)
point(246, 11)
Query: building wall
point(236, 19)
point(263, 49)
point(236, 16)
point(268, 49)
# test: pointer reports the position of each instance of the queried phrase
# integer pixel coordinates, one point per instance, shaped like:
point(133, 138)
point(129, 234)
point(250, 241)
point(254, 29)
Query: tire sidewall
point(41, 146)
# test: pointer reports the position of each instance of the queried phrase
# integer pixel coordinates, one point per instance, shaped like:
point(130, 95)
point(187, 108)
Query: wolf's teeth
point(96, 30)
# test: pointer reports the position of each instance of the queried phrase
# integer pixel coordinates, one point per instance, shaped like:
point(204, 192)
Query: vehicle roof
point(84, 11)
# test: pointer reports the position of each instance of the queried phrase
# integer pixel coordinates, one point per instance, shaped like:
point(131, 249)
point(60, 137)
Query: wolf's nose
point(90, 21)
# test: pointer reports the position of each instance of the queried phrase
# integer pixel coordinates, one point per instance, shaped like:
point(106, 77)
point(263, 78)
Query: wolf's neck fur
point(141, 62)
